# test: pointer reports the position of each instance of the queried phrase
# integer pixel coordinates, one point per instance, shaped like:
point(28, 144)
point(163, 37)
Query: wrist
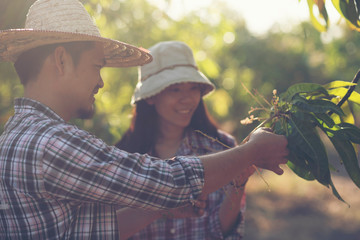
point(249, 153)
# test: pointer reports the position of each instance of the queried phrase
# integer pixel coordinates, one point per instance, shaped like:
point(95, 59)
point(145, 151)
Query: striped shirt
point(207, 226)
point(60, 182)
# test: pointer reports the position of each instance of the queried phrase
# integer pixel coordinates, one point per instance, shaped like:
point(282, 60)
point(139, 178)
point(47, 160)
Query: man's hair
point(29, 63)
point(141, 135)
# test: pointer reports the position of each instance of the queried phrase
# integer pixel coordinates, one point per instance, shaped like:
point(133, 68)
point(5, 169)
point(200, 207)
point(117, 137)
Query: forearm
point(220, 168)
point(230, 209)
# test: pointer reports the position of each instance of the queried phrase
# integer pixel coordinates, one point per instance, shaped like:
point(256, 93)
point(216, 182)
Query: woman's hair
point(29, 63)
point(142, 133)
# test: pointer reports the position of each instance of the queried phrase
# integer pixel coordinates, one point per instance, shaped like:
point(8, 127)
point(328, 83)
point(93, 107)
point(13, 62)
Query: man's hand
point(271, 150)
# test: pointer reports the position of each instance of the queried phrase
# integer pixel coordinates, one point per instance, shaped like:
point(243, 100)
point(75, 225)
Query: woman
point(170, 119)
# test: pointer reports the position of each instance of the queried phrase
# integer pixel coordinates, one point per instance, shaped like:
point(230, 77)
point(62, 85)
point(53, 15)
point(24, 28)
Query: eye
point(174, 89)
point(99, 65)
point(196, 88)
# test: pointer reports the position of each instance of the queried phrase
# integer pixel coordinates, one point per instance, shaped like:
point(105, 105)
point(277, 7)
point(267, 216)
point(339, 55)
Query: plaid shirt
point(207, 226)
point(60, 182)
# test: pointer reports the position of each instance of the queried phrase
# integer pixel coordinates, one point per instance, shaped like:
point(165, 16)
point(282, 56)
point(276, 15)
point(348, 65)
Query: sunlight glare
point(260, 15)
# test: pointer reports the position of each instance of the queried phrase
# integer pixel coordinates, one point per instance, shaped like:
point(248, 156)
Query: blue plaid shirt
point(60, 182)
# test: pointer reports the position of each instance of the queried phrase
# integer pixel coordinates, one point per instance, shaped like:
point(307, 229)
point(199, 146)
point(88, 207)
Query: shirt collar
point(197, 142)
point(27, 105)
point(193, 142)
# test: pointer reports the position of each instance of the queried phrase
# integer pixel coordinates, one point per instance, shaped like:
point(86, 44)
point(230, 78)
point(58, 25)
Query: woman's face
point(176, 104)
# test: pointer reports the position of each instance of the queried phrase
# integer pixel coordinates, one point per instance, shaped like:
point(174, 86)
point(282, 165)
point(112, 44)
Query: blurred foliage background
point(225, 50)
point(232, 57)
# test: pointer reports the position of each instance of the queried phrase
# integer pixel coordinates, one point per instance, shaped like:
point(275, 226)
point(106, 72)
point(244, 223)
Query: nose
point(186, 96)
point(101, 83)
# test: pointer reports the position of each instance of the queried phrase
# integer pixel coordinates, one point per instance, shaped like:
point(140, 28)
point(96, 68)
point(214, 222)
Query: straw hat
point(57, 21)
point(173, 62)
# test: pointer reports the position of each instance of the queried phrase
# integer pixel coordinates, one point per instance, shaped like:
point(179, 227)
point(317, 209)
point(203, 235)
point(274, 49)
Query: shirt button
point(172, 231)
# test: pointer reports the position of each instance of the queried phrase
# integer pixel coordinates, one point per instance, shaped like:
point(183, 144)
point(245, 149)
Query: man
point(58, 181)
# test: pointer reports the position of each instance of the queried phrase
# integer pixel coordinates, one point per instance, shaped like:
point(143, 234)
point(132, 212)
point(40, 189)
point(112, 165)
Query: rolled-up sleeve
point(79, 167)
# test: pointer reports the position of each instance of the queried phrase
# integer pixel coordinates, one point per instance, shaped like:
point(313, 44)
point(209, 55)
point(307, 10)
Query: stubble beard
point(86, 113)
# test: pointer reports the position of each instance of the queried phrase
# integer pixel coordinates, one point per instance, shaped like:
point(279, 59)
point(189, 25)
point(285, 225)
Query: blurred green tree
point(223, 47)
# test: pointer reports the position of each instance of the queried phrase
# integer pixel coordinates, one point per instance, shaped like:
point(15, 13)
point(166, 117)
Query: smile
point(184, 111)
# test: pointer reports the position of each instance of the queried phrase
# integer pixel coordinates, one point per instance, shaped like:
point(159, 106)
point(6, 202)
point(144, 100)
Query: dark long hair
point(142, 133)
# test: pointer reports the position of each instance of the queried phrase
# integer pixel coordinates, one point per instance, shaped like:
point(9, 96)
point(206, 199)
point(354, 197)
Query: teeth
point(184, 111)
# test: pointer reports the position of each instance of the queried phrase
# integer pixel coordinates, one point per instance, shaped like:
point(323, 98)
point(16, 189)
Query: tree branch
point(349, 92)
point(350, 89)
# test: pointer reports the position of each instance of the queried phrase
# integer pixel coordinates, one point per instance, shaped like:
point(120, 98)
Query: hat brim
point(157, 83)
point(13, 42)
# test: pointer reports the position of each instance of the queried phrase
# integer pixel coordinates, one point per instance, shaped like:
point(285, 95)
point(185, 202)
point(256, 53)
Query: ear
point(61, 59)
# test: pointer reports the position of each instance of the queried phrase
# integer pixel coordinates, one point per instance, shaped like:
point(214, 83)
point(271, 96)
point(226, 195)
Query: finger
point(202, 197)
point(283, 160)
point(250, 171)
point(200, 204)
point(278, 171)
point(199, 211)
point(267, 129)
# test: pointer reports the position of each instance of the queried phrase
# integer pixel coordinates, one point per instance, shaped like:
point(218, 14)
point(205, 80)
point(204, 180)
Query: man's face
point(84, 82)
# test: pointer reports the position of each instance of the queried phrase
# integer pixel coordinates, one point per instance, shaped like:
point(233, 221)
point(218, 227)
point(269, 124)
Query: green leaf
point(357, 5)
point(307, 139)
point(301, 172)
point(322, 27)
point(354, 97)
point(302, 88)
point(348, 10)
point(323, 118)
point(351, 12)
point(298, 157)
point(316, 106)
point(335, 192)
point(280, 127)
point(348, 155)
point(297, 162)
point(351, 132)
point(322, 173)
point(338, 84)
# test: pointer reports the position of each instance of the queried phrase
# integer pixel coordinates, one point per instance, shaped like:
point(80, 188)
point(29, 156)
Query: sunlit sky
point(260, 15)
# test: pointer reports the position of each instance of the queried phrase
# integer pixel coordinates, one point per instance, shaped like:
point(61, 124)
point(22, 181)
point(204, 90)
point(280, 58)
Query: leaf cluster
point(304, 110)
point(348, 9)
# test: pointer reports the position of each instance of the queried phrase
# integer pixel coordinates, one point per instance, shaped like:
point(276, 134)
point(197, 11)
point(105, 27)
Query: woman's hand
point(194, 209)
point(240, 180)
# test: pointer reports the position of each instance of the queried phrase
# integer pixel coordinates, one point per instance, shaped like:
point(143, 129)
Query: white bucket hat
point(58, 21)
point(173, 62)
